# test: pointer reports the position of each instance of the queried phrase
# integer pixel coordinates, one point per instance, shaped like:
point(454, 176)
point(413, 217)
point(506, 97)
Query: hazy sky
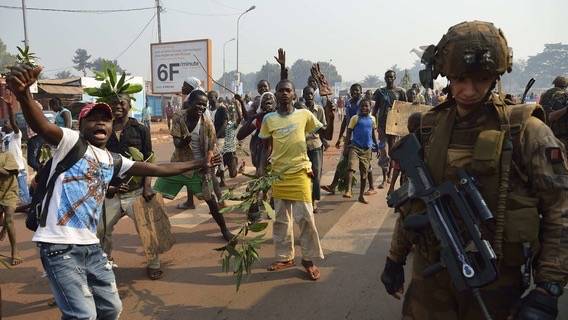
point(361, 36)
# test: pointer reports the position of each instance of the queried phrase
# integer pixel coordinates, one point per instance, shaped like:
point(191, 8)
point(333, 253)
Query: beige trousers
point(116, 208)
point(303, 214)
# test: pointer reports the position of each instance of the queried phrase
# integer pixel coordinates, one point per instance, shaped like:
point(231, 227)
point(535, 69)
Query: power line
point(78, 10)
point(203, 14)
point(226, 6)
point(137, 37)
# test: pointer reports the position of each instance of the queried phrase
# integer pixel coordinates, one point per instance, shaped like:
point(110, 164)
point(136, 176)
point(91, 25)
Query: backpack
point(37, 212)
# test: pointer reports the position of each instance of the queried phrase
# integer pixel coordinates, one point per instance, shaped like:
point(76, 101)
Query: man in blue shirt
point(359, 141)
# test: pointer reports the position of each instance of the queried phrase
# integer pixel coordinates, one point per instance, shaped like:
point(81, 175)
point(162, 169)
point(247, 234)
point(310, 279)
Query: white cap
point(194, 82)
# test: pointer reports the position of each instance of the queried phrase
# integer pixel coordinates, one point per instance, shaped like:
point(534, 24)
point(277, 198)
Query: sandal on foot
point(281, 265)
point(347, 195)
point(370, 192)
point(311, 269)
point(328, 189)
point(16, 260)
point(154, 273)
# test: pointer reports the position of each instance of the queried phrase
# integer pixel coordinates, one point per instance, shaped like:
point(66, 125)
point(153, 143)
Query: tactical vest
point(488, 148)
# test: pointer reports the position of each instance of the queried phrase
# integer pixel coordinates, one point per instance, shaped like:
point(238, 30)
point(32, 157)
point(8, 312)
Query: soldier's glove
point(393, 276)
point(537, 306)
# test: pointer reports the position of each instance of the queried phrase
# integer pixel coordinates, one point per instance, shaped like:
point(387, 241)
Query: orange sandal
point(311, 269)
point(281, 265)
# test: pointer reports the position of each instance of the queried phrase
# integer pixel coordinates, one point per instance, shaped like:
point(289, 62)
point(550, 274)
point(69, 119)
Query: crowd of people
point(110, 161)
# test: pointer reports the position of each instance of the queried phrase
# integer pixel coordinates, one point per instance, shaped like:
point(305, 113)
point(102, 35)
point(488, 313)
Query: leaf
point(111, 76)
point(121, 81)
point(269, 211)
point(258, 227)
point(133, 88)
point(232, 251)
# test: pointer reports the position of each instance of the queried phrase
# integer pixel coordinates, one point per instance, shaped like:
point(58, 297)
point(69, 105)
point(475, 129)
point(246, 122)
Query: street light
point(238, 20)
point(224, 77)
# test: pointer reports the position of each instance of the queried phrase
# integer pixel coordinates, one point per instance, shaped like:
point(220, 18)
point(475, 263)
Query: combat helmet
point(466, 47)
point(560, 82)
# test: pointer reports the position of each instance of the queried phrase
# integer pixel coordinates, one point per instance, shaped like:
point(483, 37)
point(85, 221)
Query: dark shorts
point(359, 157)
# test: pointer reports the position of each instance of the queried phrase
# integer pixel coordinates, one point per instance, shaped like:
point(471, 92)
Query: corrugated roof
point(59, 81)
point(59, 89)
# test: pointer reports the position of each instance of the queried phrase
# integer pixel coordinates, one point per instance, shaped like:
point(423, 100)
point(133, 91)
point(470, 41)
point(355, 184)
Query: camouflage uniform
point(560, 126)
point(548, 100)
point(538, 184)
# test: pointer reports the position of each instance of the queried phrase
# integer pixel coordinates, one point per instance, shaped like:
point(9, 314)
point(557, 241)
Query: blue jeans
point(316, 158)
point(82, 281)
point(23, 187)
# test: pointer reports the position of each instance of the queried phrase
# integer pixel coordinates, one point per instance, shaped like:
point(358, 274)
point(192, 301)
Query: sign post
point(173, 62)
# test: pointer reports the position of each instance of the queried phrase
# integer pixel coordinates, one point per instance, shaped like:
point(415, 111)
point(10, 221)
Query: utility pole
point(158, 10)
point(26, 42)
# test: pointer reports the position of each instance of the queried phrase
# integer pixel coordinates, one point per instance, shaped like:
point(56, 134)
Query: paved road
point(355, 238)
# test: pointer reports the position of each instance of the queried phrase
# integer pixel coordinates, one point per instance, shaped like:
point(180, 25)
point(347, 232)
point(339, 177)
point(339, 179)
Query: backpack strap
point(117, 164)
point(74, 155)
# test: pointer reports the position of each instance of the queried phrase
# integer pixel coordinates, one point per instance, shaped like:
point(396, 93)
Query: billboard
point(173, 62)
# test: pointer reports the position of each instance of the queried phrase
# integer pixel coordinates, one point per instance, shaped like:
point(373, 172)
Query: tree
point(63, 74)
point(545, 66)
point(81, 60)
point(6, 58)
point(299, 72)
point(371, 81)
point(269, 72)
point(101, 64)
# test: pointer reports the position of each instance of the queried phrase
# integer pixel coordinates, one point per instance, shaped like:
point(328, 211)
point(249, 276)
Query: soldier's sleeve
point(400, 244)
point(547, 166)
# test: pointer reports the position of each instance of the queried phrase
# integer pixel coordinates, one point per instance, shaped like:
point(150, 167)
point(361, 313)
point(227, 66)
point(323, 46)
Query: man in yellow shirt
point(285, 130)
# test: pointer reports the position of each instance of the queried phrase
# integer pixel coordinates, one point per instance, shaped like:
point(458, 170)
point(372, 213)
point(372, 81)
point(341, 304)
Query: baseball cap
point(89, 107)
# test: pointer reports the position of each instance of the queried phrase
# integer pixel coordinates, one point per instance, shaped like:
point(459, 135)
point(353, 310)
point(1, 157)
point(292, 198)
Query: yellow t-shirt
point(289, 152)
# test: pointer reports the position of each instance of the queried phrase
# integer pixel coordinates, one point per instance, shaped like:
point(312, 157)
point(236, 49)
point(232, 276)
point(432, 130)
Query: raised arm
point(169, 169)
point(19, 80)
point(281, 59)
point(11, 116)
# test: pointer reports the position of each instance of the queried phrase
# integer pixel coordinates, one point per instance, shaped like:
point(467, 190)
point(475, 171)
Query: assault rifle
point(453, 212)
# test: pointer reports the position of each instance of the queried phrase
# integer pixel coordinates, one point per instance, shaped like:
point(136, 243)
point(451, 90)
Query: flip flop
point(281, 265)
point(154, 273)
point(311, 269)
point(370, 192)
point(16, 260)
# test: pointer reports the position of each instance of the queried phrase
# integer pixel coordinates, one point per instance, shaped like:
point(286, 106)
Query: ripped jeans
point(82, 281)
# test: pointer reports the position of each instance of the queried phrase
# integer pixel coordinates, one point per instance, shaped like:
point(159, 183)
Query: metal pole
point(158, 10)
point(238, 20)
point(224, 77)
point(26, 42)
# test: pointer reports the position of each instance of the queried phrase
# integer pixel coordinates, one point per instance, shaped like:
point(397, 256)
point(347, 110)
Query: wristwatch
point(553, 288)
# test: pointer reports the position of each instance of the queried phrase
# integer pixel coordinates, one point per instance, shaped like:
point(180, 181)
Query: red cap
point(86, 110)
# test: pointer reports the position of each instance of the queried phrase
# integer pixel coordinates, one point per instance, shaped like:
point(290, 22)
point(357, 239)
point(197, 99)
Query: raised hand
point(281, 59)
point(324, 87)
point(21, 77)
point(8, 98)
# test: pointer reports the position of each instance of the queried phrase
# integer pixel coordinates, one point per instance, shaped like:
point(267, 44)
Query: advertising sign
point(173, 62)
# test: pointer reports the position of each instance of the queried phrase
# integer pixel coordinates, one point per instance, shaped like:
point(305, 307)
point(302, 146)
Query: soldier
point(546, 100)
point(558, 116)
point(524, 184)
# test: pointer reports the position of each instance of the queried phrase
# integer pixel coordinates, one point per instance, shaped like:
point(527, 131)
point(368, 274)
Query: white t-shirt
point(78, 195)
point(14, 141)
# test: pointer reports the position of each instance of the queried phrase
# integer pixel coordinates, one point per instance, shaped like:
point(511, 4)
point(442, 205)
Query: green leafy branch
point(112, 87)
point(342, 169)
point(26, 57)
point(241, 252)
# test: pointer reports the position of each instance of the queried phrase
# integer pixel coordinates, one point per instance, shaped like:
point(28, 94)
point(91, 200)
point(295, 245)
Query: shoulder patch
point(554, 155)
